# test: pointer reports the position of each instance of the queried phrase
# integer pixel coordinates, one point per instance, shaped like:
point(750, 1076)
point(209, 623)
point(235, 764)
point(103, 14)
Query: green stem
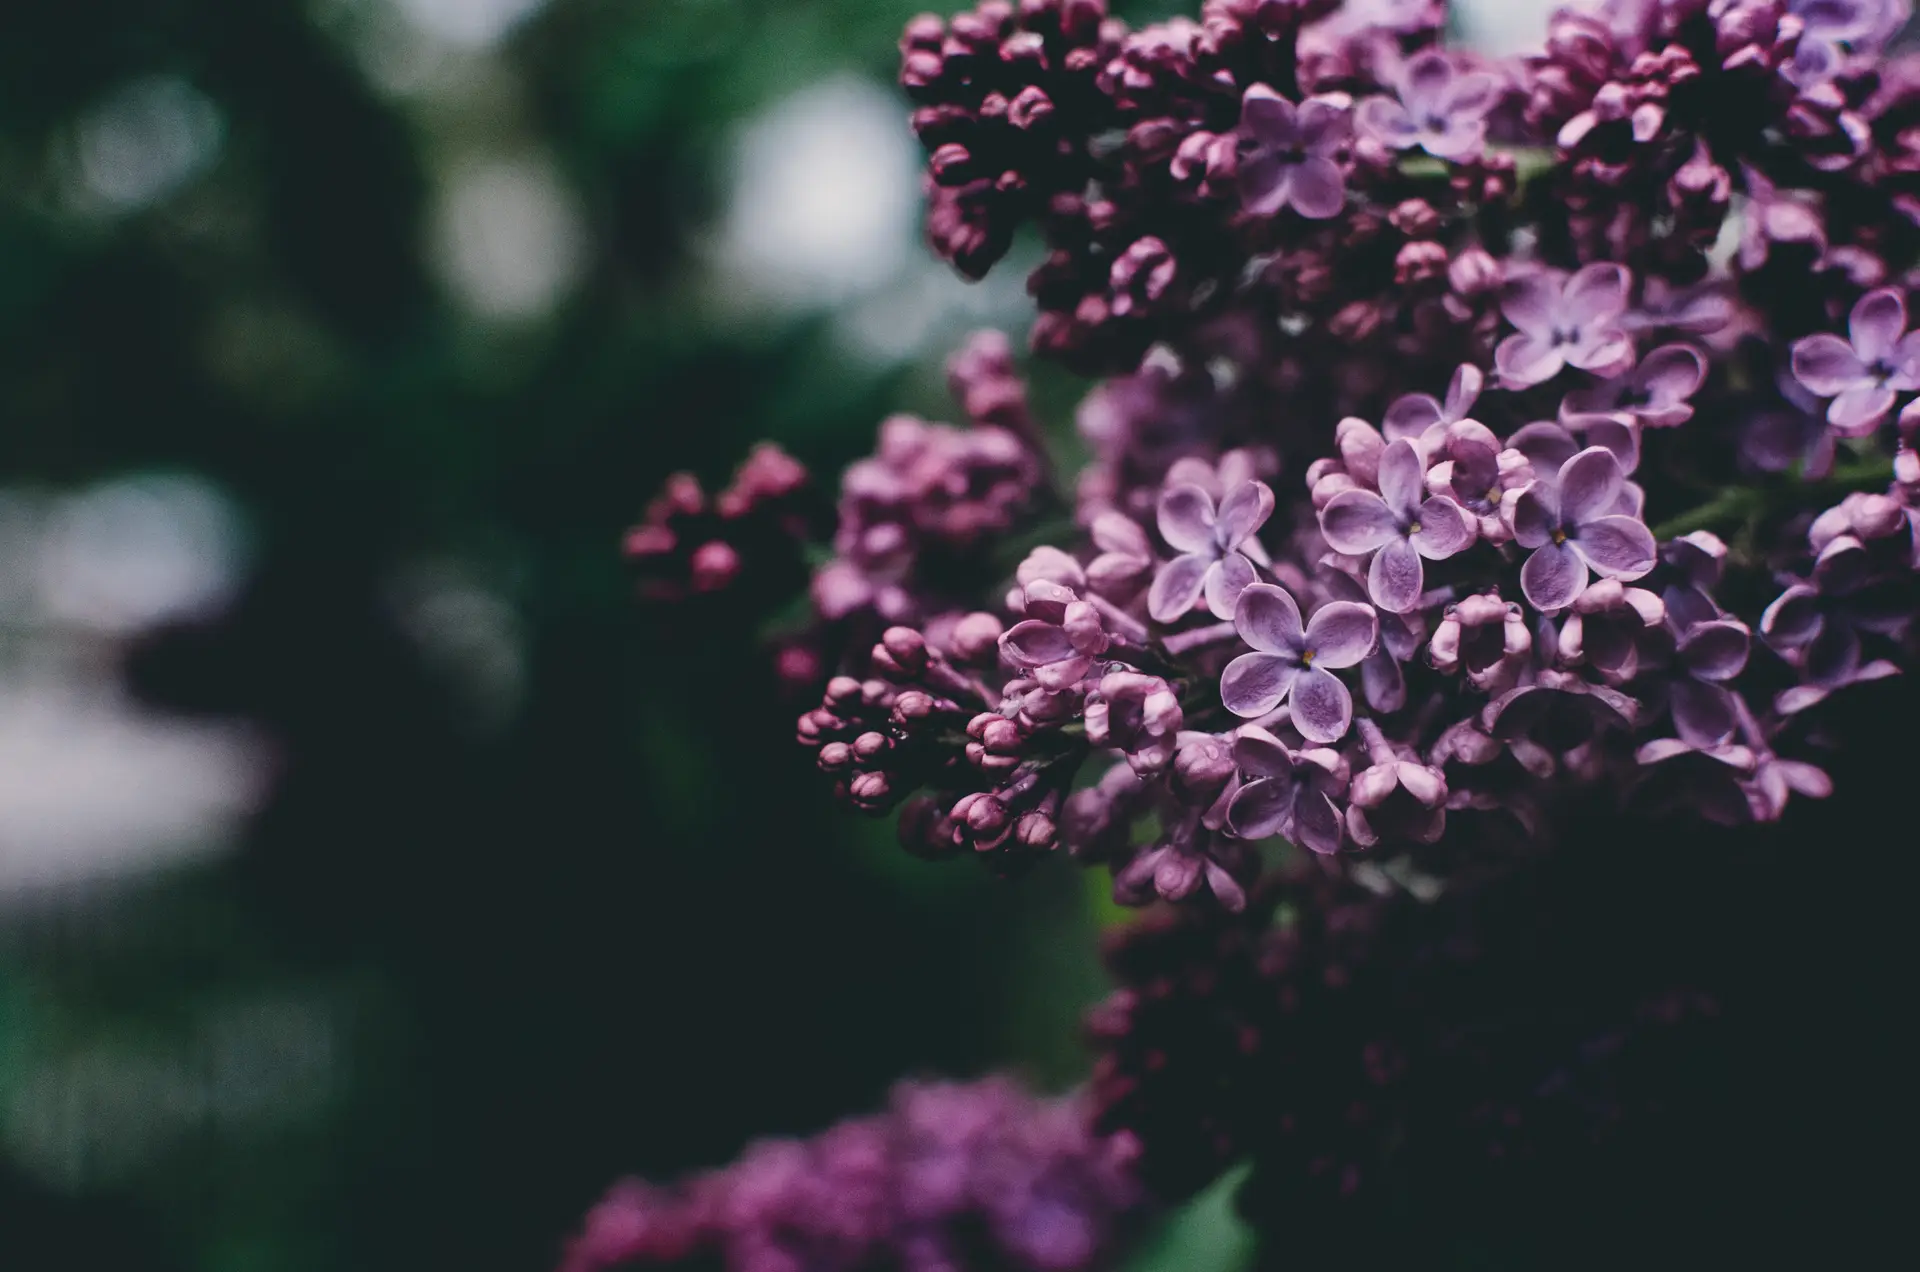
point(1738, 505)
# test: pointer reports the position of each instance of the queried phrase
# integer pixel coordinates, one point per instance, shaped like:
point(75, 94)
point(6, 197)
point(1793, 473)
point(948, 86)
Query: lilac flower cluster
point(693, 544)
point(1484, 452)
point(949, 1177)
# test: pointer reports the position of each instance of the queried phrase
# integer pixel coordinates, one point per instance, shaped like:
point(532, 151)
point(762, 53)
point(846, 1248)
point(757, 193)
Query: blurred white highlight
point(143, 143)
point(468, 24)
point(510, 239)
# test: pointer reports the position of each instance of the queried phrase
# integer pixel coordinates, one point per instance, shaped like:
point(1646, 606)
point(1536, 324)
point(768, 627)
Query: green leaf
point(1205, 1235)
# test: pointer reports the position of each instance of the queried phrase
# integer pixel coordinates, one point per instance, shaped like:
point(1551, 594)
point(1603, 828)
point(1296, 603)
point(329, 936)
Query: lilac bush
point(1419, 374)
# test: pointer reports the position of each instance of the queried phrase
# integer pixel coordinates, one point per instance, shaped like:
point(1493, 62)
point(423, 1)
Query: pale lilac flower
point(1439, 108)
point(1576, 322)
point(1126, 557)
point(1209, 542)
point(1293, 663)
point(1138, 715)
point(1705, 657)
point(1060, 638)
point(1862, 376)
point(1286, 792)
point(1476, 471)
point(1570, 525)
point(1398, 526)
point(1817, 625)
point(1289, 154)
point(1606, 626)
point(1485, 637)
point(1655, 393)
point(1415, 414)
point(1777, 216)
point(1396, 797)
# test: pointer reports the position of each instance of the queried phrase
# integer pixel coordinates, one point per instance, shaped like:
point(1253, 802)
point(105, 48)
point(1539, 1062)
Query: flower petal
point(1225, 579)
point(1472, 94)
point(1186, 518)
point(1553, 577)
point(1395, 579)
point(1316, 822)
point(1177, 586)
point(1716, 650)
point(1594, 294)
point(1257, 751)
point(1525, 360)
point(1321, 707)
point(1261, 808)
point(1445, 529)
point(1531, 303)
point(1672, 373)
point(1876, 324)
point(1545, 444)
point(1856, 412)
point(1269, 118)
point(1411, 415)
point(1617, 547)
point(1536, 515)
point(1325, 125)
point(1403, 479)
point(1266, 182)
point(1319, 189)
point(1833, 656)
point(1342, 633)
point(1268, 619)
point(1357, 521)
point(1589, 484)
point(1793, 619)
point(1826, 364)
point(1387, 122)
point(1244, 510)
point(1702, 714)
point(1254, 684)
point(1036, 644)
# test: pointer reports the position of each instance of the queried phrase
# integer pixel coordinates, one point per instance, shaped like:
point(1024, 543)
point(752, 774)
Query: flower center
point(1566, 336)
point(1306, 658)
point(1413, 527)
point(1559, 537)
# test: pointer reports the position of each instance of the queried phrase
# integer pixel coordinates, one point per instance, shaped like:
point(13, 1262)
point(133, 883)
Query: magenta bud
point(835, 756)
point(870, 790)
point(1036, 830)
point(976, 637)
point(912, 705)
point(714, 566)
point(869, 746)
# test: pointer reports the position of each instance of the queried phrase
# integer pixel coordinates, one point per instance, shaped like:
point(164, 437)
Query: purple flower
point(1398, 527)
point(1414, 414)
point(1126, 557)
point(1396, 797)
point(1287, 792)
point(1059, 640)
point(1570, 524)
point(1706, 656)
point(1817, 626)
point(1138, 715)
point(1655, 393)
point(1440, 109)
point(1605, 627)
point(1289, 154)
point(1295, 664)
point(1577, 323)
point(1485, 637)
point(1477, 472)
point(1862, 377)
point(1209, 543)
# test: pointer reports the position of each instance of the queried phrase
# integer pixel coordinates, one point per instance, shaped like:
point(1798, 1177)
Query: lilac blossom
point(1398, 527)
point(1706, 655)
point(1476, 471)
point(1569, 524)
point(1289, 154)
point(1576, 322)
point(1137, 715)
point(1439, 108)
point(1211, 561)
point(1286, 792)
point(1396, 797)
point(1413, 415)
point(1485, 638)
point(1294, 664)
point(1818, 625)
point(1606, 626)
point(1864, 374)
point(1655, 393)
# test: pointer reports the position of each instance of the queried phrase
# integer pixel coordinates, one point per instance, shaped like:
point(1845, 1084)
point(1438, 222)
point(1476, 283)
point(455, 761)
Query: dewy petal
point(1244, 510)
point(1402, 480)
point(1532, 304)
point(1386, 121)
point(1410, 416)
point(1855, 412)
point(1269, 118)
point(1595, 294)
point(1177, 586)
point(1318, 189)
point(1876, 324)
point(1321, 707)
point(1716, 650)
point(1525, 360)
point(1396, 578)
point(1226, 578)
point(1826, 364)
point(1036, 644)
point(1589, 484)
point(1357, 521)
point(1341, 633)
point(1702, 713)
point(1445, 529)
point(1536, 515)
point(1268, 619)
point(1553, 577)
point(1261, 808)
point(1324, 126)
point(1254, 684)
point(1671, 373)
point(1186, 518)
point(1617, 547)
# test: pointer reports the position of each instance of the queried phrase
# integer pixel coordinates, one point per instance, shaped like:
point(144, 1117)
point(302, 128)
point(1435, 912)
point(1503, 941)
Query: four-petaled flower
point(1398, 526)
point(1655, 393)
point(1208, 541)
point(1287, 792)
point(1576, 323)
point(1440, 109)
point(1864, 375)
point(1289, 154)
point(1293, 663)
point(1571, 525)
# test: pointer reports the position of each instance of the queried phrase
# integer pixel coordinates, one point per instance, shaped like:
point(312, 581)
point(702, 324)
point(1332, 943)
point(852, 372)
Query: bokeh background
point(378, 880)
